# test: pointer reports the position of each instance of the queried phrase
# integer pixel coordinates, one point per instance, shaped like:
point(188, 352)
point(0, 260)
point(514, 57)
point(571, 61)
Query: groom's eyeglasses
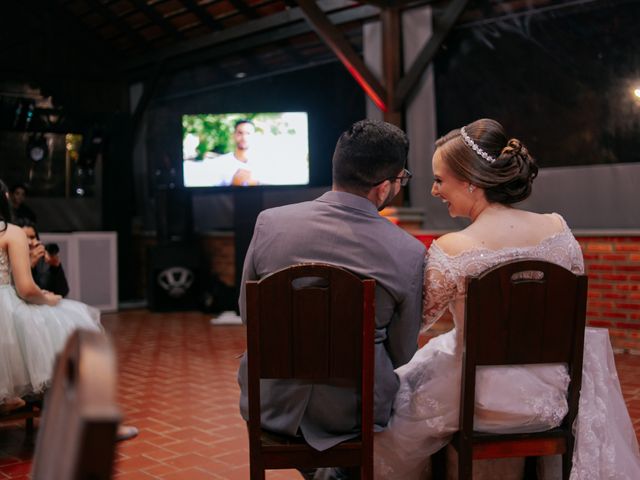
point(404, 178)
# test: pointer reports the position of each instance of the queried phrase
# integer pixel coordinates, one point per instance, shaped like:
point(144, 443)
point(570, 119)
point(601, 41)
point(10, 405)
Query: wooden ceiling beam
point(120, 24)
point(391, 61)
point(251, 34)
point(442, 27)
point(202, 14)
point(382, 4)
point(152, 14)
point(354, 64)
point(242, 7)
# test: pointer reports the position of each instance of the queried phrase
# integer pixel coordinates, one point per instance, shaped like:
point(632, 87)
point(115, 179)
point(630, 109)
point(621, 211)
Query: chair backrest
point(77, 434)
point(523, 312)
point(313, 322)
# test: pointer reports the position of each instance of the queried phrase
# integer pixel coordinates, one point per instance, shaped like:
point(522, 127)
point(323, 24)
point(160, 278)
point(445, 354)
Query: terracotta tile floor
point(177, 384)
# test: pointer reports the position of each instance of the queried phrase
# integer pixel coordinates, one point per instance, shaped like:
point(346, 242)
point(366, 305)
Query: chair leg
point(357, 473)
point(439, 464)
point(567, 463)
point(465, 463)
point(28, 425)
point(256, 472)
point(531, 468)
point(366, 471)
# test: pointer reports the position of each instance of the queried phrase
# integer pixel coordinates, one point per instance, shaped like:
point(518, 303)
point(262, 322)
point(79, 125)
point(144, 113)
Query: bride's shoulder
point(455, 243)
point(549, 224)
point(12, 233)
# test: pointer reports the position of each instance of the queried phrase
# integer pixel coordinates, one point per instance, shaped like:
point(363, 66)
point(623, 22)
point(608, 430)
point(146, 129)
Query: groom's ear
point(379, 193)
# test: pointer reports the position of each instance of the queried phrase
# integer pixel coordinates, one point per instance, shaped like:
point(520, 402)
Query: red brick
point(601, 286)
point(634, 326)
point(614, 332)
point(635, 278)
point(592, 294)
point(634, 296)
point(601, 267)
point(628, 247)
point(628, 268)
point(600, 247)
point(635, 316)
point(614, 257)
point(628, 306)
point(600, 323)
point(590, 256)
point(629, 286)
point(601, 305)
point(629, 345)
point(634, 258)
point(617, 296)
point(614, 278)
point(614, 315)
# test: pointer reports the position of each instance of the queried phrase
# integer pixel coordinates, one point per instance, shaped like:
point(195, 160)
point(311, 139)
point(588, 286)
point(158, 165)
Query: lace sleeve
point(439, 286)
point(574, 251)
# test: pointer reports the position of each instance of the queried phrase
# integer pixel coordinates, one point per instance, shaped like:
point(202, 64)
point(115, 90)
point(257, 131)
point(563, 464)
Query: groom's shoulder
point(400, 238)
point(284, 211)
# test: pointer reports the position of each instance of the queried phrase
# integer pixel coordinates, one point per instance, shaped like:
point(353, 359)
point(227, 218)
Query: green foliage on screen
point(215, 131)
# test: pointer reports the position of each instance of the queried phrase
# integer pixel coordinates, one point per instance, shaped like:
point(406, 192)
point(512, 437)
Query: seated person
point(34, 323)
point(343, 227)
point(19, 209)
point(479, 173)
point(46, 267)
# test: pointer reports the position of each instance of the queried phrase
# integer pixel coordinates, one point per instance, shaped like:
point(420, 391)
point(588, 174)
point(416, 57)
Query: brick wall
point(612, 263)
point(613, 266)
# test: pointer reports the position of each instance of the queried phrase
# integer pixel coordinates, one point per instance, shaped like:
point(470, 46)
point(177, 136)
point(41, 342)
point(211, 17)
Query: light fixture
point(240, 75)
point(636, 92)
point(37, 148)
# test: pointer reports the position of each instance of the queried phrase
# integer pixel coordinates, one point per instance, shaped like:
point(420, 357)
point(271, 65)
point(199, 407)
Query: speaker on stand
point(174, 280)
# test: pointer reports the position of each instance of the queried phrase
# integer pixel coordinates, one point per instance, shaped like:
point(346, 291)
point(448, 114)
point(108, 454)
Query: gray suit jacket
point(345, 230)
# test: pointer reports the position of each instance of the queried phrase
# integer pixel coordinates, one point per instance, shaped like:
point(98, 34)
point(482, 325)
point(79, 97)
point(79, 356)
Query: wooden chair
point(28, 413)
point(310, 322)
point(76, 439)
point(521, 312)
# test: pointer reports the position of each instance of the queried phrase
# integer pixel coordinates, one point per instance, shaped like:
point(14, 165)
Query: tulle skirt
point(30, 338)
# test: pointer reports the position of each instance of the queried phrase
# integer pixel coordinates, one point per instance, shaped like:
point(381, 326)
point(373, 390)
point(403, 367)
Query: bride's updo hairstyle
point(480, 153)
point(5, 207)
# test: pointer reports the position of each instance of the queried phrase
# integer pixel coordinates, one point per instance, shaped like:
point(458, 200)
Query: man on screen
point(233, 168)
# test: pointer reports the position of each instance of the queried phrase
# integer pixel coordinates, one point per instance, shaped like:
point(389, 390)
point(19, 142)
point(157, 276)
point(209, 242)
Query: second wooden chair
point(521, 312)
point(310, 322)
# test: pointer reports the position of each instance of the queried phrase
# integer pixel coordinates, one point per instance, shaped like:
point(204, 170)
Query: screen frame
point(237, 188)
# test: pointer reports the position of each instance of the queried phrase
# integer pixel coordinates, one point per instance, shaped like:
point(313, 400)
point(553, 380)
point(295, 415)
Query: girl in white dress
point(479, 174)
point(34, 323)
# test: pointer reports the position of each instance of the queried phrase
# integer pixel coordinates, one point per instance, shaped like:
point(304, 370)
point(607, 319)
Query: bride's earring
point(471, 188)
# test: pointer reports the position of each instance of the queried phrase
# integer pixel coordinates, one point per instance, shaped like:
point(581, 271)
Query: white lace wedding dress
point(508, 399)
point(31, 335)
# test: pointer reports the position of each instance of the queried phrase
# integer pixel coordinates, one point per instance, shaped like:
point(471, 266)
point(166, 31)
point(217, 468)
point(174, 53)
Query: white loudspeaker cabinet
point(90, 262)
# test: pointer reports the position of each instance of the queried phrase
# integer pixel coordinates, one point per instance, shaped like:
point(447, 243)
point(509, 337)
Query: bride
point(34, 323)
point(478, 174)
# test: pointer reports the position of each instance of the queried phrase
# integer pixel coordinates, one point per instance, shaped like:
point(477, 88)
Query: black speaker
point(174, 281)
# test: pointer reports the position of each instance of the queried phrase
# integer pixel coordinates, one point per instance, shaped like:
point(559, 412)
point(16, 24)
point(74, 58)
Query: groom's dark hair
point(369, 152)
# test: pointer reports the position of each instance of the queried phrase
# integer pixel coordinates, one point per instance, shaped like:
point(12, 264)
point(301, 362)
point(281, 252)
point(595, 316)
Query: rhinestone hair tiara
point(474, 146)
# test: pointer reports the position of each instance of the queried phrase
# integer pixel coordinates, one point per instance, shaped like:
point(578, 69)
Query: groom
point(343, 227)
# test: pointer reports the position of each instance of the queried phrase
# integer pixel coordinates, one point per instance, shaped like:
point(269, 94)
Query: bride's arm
point(439, 287)
point(26, 288)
